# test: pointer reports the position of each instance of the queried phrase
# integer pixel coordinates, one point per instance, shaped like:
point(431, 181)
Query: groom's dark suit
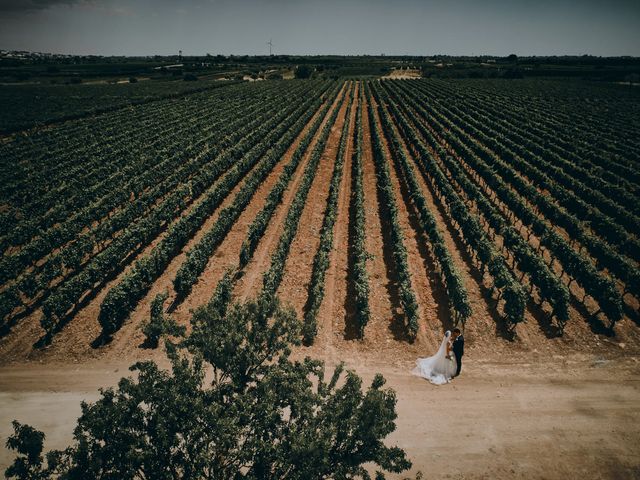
point(458, 351)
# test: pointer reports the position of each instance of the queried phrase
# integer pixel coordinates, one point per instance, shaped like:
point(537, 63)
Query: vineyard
point(382, 211)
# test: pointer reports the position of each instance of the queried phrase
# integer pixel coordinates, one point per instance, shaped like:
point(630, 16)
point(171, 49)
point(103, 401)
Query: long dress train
point(438, 369)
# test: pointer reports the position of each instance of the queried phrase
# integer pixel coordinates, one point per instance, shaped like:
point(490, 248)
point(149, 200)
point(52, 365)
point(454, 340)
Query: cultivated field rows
point(383, 212)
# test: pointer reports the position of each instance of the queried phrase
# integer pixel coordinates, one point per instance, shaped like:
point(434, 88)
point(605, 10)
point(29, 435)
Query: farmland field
point(383, 211)
point(26, 106)
point(390, 208)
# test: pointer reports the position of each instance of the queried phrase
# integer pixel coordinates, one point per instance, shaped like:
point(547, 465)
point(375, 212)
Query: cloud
point(20, 8)
point(26, 6)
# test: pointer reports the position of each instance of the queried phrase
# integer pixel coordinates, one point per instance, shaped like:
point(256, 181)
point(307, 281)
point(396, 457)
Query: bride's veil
point(442, 351)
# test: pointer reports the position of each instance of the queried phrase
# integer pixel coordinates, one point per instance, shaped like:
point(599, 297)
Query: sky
point(312, 27)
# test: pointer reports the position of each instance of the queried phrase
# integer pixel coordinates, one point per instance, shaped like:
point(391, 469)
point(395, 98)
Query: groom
point(458, 348)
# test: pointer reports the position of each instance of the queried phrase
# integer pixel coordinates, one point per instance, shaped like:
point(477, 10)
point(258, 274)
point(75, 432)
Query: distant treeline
point(60, 69)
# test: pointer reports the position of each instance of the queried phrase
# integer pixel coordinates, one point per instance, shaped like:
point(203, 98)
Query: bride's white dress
point(438, 369)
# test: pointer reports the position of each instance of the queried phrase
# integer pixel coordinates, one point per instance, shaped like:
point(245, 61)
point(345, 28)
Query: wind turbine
point(270, 43)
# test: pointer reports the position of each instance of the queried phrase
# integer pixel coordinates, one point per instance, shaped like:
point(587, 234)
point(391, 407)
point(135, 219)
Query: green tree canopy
point(232, 406)
point(303, 71)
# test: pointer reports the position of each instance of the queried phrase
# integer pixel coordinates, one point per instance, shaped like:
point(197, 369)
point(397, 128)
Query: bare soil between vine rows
point(533, 406)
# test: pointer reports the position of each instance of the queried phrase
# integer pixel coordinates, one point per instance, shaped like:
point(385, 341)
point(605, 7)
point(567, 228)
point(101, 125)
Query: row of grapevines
point(451, 278)
point(528, 261)
point(142, 152)
point(91, 196)
point(71, 259)
point(51, 157)
point(614, 185)
point(390, 209)
point(223, 292)
point(111, 260)
point(470, 229)
point(198, 256)
point(25, 106)
point(210, 119)
point(273, 276)
point(358, 252)
point(594, 206)
point(76, 221)
point(599, 286)
point(546, 132)
point(525, 144)
point(580, 268)
point(54, 152)
point(605, 255)
point(569, 118)
point(321, 258)
point(274, 198)
point(76, 186)
point(618, 265)
point(122, 299)
point(600, 223)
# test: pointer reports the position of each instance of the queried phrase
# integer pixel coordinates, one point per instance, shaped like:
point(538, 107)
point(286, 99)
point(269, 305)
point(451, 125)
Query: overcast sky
point(416, 27)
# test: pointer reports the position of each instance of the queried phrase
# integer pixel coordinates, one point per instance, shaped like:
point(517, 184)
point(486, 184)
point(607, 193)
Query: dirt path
point(506, 417)
point(383, 297)
point(297, 270)
point(332, 315)
point(247, 286)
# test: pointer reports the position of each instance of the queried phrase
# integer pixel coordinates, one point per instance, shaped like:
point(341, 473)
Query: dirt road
point(536, 417)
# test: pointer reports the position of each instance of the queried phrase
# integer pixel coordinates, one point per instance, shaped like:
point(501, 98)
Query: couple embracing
point(446, 363)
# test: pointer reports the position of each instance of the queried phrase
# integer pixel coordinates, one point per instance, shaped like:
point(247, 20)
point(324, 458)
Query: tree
point(27, 441)
point(258, 414)
point(158, 324)
point(303, 71)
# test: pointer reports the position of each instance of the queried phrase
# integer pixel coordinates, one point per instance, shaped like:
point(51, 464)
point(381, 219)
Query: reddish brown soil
point(529, 407)
point(297, 272)
point(415, 245)
point(382, 306)
point(131, 332)
point(75, 340)
point(248, 285)
point(481, 323)
point(382, 341)
point(225, 256)
point(582, 306)
point(333, 315)
point(580, 330)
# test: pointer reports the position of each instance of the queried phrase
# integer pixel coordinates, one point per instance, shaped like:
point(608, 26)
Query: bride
point(441, 367)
